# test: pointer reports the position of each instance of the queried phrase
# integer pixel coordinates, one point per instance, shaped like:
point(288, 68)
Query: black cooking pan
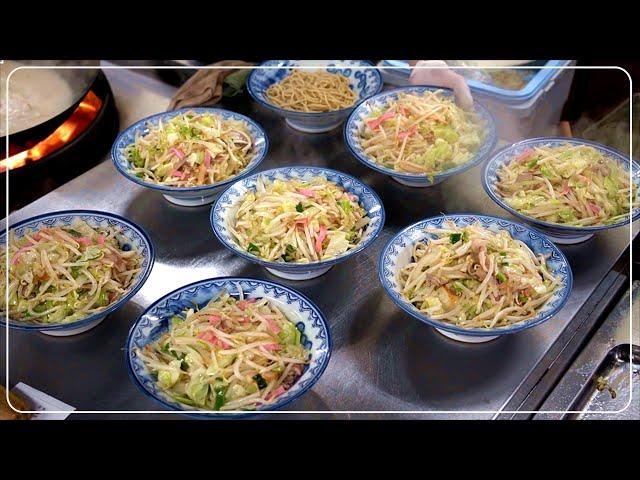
point(79, 80)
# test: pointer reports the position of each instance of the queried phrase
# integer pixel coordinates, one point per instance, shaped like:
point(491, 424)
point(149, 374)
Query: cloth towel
point(204, 88)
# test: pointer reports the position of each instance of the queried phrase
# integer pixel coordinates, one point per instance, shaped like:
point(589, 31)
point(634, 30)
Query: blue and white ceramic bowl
point(297, 308)
point(227, 205)
point(187, 196)
point(137, 239)
point(559, 233)
point(356, 124)
point(364, 79)
point(398, 251)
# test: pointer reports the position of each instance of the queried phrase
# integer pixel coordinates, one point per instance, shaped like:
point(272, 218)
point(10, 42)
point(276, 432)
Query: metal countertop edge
point(541, 382)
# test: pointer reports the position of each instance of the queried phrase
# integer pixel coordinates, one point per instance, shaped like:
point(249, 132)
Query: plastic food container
point(533, 110)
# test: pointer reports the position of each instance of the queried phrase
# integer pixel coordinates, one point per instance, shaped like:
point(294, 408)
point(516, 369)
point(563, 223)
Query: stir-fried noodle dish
point(232, 354)
point(191, 149)
point(63, 274)
point(574, 185)
point(298, 220)
point(312, 92)
point(425, 133)
point(473, 277)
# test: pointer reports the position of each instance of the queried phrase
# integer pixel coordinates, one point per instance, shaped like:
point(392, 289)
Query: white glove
point(442, 77)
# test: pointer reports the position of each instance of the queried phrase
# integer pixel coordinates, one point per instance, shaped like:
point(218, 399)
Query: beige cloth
point(205, 87)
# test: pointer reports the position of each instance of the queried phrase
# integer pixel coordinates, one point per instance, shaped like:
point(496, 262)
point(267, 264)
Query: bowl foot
point(298, 276)
point(307, 129)
point(414, 183)
point(191, 202)
point(567, 239)
point(466, 338)
point(73, 331)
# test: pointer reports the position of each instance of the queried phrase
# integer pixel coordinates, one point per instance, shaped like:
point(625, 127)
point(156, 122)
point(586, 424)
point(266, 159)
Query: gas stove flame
point(77, 123)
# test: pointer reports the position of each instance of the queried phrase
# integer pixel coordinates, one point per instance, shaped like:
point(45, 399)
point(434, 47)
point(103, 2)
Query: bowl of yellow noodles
point(313, 96)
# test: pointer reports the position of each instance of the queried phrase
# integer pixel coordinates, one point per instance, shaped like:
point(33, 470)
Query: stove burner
point(78, 122)
point(78, 144)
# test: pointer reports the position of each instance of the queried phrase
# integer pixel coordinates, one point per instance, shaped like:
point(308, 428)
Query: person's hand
point(564, 129)
point(441, 76)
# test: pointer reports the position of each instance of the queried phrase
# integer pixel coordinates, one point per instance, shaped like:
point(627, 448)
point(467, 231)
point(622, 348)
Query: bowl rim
point(618, 156)
point(283, 266)
point(217, 416)
point(201, 188)
point(285, 112)
point(476, 332)
point(142, 278)
point(492, 137)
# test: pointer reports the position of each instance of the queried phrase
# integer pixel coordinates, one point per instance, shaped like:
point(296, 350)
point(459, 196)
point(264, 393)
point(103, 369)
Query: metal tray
point(383, 360)
point(615, 383)
point(603, 382)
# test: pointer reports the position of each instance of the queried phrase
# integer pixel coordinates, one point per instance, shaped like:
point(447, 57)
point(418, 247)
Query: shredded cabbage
point(298, 221)
point(229, 355)
point(63, 274)
point(473, 277)
point(425, 133)
point(574, 185)
point(192, 149)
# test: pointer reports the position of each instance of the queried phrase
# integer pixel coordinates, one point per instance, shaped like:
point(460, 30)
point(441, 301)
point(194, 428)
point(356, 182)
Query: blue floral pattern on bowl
point(560, 233)
point(187, 194)
point(364, 79)
point(356, 124)
point(136, 236)
point(228, 203)
point(297, 308)
point(398, 251)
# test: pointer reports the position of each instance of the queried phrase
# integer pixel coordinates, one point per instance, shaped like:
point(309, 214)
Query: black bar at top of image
point(359, 31)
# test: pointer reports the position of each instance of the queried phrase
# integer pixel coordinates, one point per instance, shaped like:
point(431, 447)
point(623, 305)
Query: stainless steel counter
point(383, 360)
point(604, 380)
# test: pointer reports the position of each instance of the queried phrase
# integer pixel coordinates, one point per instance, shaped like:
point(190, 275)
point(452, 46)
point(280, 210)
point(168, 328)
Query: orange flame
point(79, 120)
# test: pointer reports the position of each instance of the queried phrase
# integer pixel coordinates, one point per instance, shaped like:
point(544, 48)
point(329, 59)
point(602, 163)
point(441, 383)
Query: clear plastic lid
point(516, 81)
